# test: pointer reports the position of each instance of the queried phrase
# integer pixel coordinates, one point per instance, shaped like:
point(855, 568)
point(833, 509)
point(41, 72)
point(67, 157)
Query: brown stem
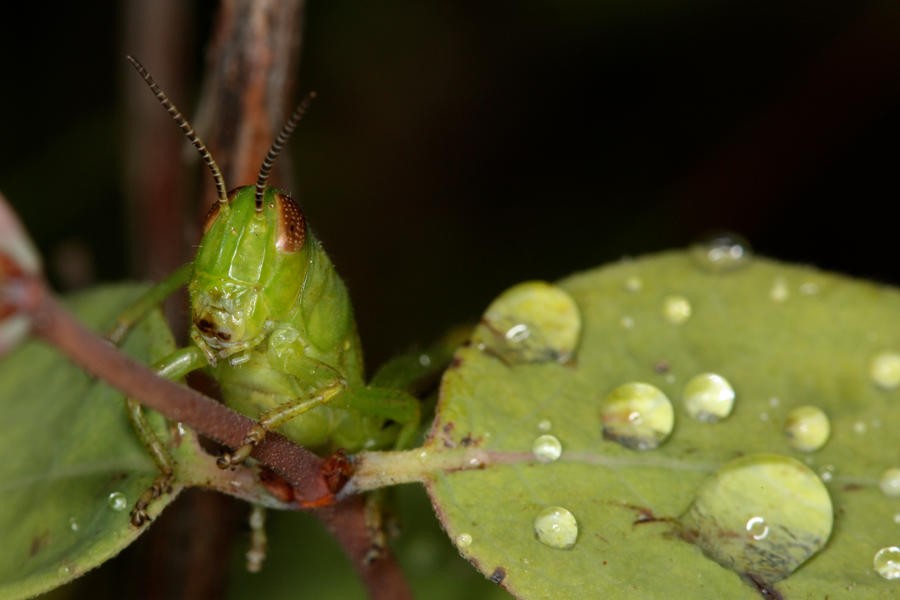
point(248, 86)
point(347, 523)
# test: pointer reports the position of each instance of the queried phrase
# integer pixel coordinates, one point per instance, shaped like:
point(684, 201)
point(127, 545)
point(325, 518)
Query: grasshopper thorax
point(248, 272)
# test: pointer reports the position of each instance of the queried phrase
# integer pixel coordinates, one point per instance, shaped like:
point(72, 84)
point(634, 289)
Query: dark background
point(457, 148)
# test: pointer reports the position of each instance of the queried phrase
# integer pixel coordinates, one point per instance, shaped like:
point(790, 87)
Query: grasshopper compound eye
point(291, 225)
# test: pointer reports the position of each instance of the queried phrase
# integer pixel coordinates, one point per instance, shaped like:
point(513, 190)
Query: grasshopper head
point(248, 272)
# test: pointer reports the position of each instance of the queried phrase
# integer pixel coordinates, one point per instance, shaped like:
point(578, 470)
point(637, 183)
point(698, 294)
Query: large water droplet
point(890, 482)
point(556, 527)
point(760, 515)
point(637, 415)
point(708, 397)
point(885, 370)
point(807, 428)
point(721, 252)
point(887, 562)
point(676, 309)
point(531, 322)
point(546, 448)
point(117, 501)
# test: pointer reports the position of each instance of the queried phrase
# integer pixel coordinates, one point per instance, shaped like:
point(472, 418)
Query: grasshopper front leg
point(175, 366)
point(276, 417)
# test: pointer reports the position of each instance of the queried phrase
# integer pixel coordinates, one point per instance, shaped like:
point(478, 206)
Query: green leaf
point(672, 510)
point(72, 466)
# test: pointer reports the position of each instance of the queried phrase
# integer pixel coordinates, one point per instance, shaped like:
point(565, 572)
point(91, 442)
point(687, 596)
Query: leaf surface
point(72, 466)
point(783, 336)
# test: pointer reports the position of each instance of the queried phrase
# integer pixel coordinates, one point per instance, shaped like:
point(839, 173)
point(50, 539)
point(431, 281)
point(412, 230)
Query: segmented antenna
point(185, 127)
point(277, 146)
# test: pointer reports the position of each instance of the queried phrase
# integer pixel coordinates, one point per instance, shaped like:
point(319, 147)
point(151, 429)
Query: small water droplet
point(182, 430)
point(897, 518)
point(890, 482)
point(676, 309)
point(464, 540)
point(424, 360)
point(708, 397)
point(885, 370)
point(627, 322)
point(530, 322)
point(760, 515)
point(545, 425)
point(517, 333)
point(809, 288)
point(807, 428)
point(117, 501)
point(546, 448)
point(774, 402)
point(73, 524)
point(779, 291)
point(826, 472)
point(887, 562)
point(634, 284)
point(757, 528)
point(721, 252)
point(637, 415)
point(556, 527)
point(64, 571)
point(423, 455)
point(859, 427)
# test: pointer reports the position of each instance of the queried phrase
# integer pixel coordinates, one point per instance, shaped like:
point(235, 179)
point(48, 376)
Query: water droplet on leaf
point(464, 540)
point(807, 428)
point(708, 397)
point(890, 482)
point(546, 448)
point(545, 425)
point(73, 524)
point(531, 322)
point(757, 528)
point(117, 501)
point(885, 370)
point(634, 284)
point(761, 515)
point(779, 291)
point(721, 252)
point(887, 562)
point(637, 415)
point(556, 527)
point(676, 309)
point(826, 472)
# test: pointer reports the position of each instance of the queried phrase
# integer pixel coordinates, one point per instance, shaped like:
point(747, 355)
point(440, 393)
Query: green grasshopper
point(272, 322)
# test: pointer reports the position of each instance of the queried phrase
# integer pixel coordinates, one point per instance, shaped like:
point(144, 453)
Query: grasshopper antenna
point(278, 145)
point(185, 127)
